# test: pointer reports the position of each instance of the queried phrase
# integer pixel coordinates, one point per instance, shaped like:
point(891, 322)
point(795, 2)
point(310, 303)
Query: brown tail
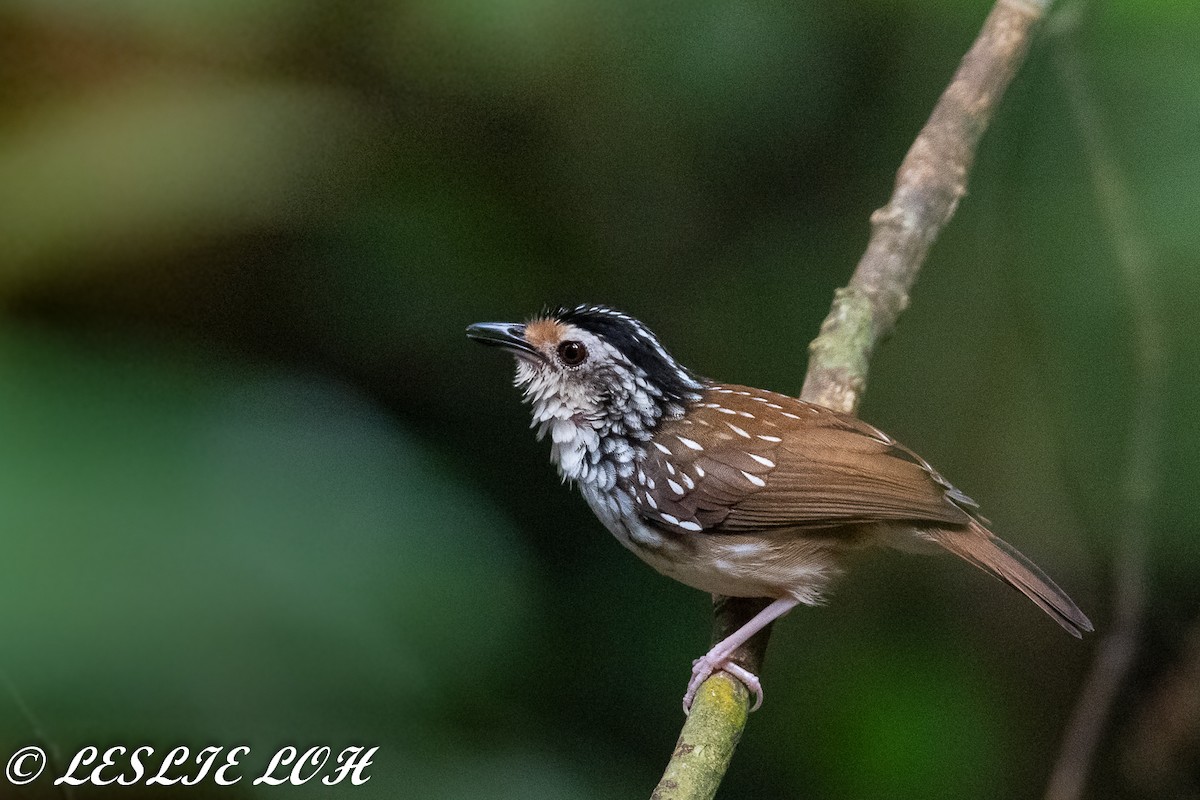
point(993, 555)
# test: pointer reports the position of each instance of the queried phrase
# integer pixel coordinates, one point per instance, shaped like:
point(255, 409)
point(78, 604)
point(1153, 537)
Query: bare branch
point(931, 179)
point(1135, 261)
point(54, 757)
point(1160, 754)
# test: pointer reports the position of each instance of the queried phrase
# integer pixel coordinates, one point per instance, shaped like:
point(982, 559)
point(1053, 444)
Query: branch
point(931, 180)
point(54, 758)
point(1135, 262)
point(1161, 750)
point(719, 712)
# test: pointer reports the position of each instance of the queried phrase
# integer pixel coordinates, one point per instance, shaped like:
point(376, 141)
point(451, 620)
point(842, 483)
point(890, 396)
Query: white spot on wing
point(688, 525)
point(791, 416)
point(675, 487)
point(757, 481)
point(662, 448)
point(724, 410)
point(670, 467)
point(651, 501)
point(767, 438)
point(670, 518)
point(687, 480)
point(738, 430)
point(689, 443)
point(766, 462)
point(699, 471)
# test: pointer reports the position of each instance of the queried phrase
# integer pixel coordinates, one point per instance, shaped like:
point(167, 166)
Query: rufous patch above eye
point(544, 332)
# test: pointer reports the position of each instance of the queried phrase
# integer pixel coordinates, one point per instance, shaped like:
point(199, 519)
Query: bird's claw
point(750, 680)
point(704, 667)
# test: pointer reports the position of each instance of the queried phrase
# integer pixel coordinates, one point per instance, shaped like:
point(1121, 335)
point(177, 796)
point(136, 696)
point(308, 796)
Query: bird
point(733, 490)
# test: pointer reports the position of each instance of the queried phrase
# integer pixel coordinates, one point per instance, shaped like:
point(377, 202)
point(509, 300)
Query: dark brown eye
point(572, 353)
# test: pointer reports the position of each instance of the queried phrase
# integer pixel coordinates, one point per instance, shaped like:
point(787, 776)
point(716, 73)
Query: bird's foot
point(714, 660)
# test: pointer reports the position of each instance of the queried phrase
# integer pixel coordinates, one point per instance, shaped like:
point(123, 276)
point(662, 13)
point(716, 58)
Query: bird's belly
point(737, 565)
point(750, 565)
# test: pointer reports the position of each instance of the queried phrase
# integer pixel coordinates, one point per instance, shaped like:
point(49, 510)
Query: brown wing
point(745, 459)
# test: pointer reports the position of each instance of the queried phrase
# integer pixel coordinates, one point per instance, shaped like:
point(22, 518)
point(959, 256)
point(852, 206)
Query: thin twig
point(54, 758)
point(1136, 265)
point(931, 180)
point(1160, 753)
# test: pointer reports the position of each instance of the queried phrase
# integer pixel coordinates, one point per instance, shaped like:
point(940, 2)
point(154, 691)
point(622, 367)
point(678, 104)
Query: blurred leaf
point(910, 724)
point(480, 45)
point(225, 26)
point(160, 159)
point(196, 550)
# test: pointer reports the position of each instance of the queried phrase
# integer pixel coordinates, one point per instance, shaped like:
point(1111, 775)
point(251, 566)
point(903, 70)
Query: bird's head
point(593, 368)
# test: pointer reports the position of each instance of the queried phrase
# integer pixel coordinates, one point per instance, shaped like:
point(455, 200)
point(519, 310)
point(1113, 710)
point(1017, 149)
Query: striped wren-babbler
point(733, 490)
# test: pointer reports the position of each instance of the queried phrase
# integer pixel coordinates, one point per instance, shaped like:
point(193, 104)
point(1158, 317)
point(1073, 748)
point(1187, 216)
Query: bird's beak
point(509, 335)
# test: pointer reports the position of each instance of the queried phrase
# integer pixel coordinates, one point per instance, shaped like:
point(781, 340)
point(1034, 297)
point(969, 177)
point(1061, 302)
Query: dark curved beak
point(509, 335)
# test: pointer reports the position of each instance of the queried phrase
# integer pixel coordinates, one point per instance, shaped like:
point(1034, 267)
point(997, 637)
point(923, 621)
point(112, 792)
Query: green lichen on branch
point(843, 349)
point(707, 740)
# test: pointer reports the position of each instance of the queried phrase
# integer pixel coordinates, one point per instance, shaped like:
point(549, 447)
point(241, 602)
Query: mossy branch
point(931, 180)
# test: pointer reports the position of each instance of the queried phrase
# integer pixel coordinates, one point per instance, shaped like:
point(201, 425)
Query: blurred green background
point(256, 486)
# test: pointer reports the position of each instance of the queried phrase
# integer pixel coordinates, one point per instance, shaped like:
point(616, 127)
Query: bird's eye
point(572, 353)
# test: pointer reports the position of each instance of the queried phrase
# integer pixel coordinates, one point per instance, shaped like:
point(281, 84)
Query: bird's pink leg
point(718, 657)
